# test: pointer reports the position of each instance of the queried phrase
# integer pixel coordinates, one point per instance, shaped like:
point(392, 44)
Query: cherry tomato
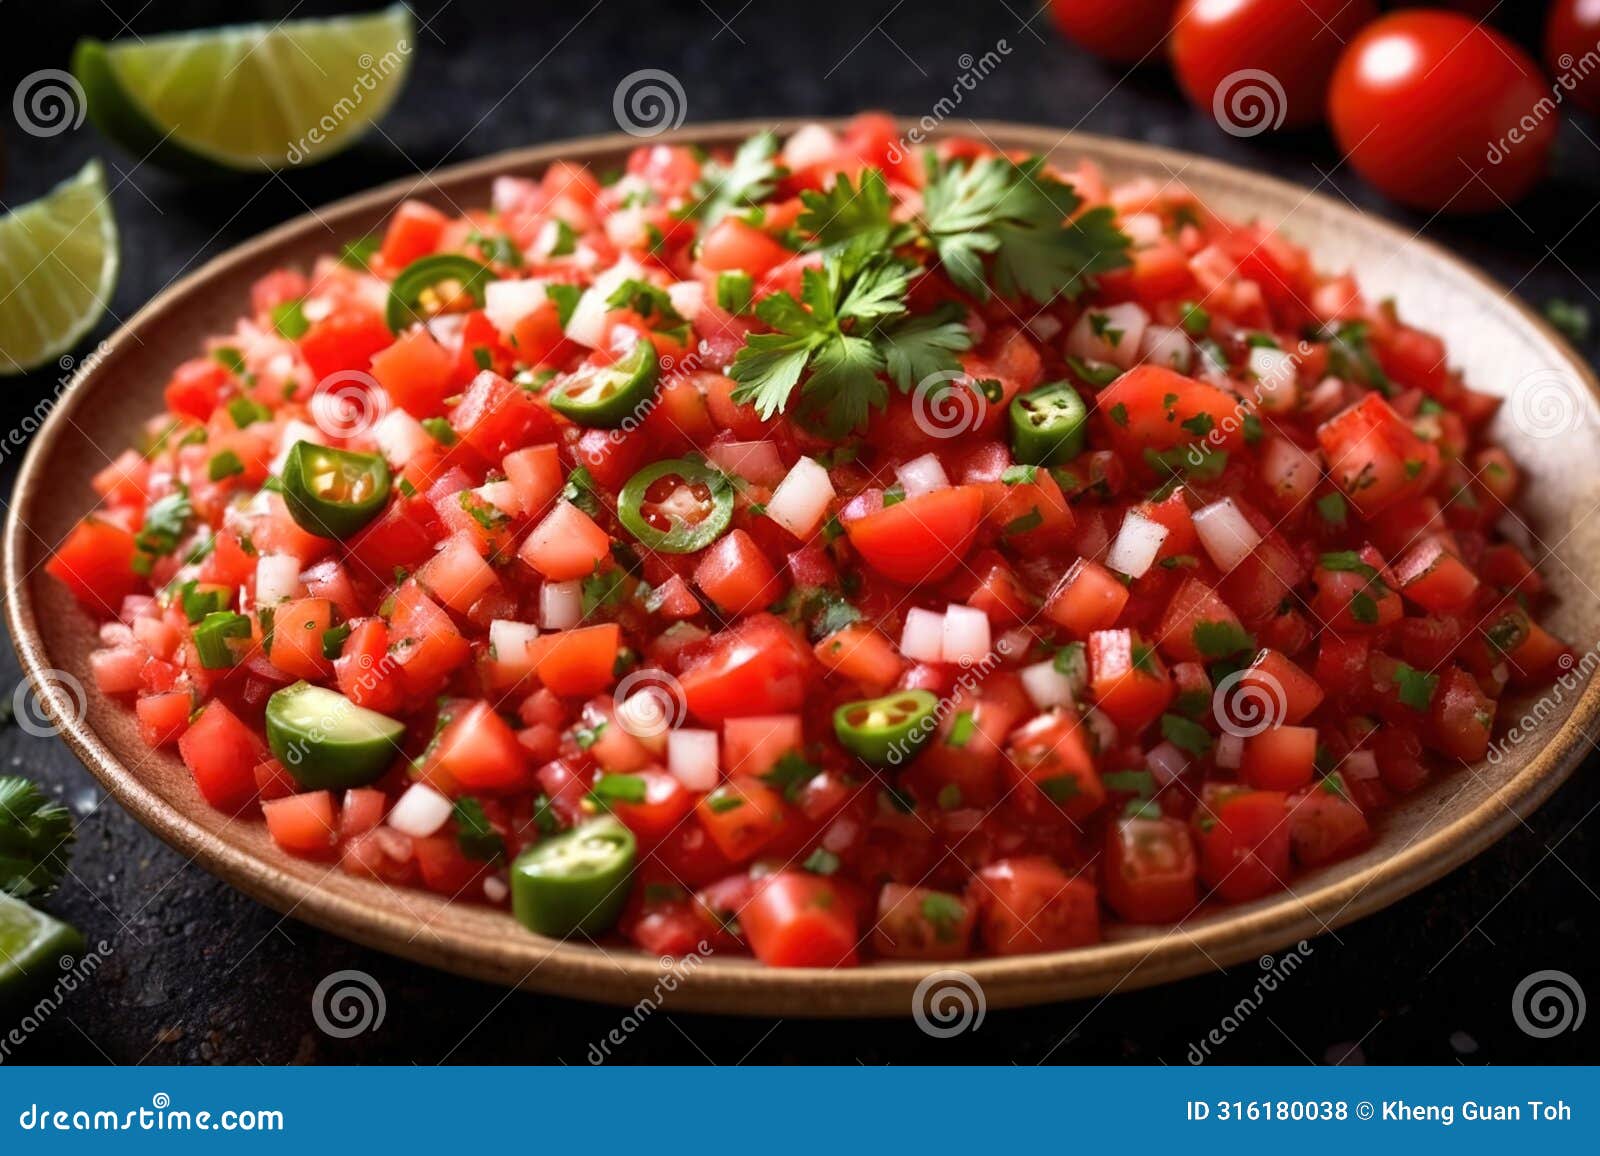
point(1262, 64)
point(1440, 112)
point(1126, 31)
point(1571, 34)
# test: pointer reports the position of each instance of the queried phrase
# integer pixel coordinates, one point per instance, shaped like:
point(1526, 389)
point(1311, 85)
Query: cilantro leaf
point(918, 347)
point(743, 183)
point(35, 839)
point(1018, 215)
point(845, 212)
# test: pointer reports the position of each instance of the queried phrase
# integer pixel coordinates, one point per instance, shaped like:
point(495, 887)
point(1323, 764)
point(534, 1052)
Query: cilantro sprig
point(741, 184)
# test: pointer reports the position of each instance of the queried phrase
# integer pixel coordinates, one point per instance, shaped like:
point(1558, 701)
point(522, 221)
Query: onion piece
point(495, 889)
point(1101, 729)
point(502, 496)
point(1226, 533)
point(1167, 346)
point(923, 475)
point(1166, 762)
point(1046, 685)
point(811, 144)
point(688, 298)
point(1359, 765)
point(400, 436)
point(1137, 544)
point(1229, 751)
point(801, 499)
point(587, 325)
point(1113, 334)
point(1277, 390)
point(692, 758)
point(966, 635)
point(922, 640)
point(277, 579)
point(420, 812)
point(561, 604)
point(507, 302)
point(756, 462)
point(512, 642)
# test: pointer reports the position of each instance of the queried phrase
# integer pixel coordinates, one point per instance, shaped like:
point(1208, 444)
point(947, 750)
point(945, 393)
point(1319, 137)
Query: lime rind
point(249, 97)
point(58, 269)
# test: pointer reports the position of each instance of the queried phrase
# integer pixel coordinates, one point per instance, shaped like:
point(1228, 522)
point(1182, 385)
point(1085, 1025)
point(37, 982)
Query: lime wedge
point(58, 266)
point(33, 946)
point(251, 96)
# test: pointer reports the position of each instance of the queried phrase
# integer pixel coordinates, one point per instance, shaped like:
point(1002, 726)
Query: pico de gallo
point(826, 548)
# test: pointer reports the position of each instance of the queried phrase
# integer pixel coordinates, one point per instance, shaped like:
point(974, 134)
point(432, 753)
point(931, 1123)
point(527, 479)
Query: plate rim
point(742, 986)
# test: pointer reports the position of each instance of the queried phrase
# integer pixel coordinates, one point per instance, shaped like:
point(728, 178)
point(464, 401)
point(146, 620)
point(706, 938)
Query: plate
point(1552, 427)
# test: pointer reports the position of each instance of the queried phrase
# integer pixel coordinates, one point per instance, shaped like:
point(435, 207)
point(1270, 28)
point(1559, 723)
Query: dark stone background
point(200, 973)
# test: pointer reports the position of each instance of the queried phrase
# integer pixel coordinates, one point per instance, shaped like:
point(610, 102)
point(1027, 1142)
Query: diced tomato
point(480, 752)
point(750, 746)
point(414, 231)
point(757, 668)
point(860, 653)
point(795, 919)
point(417, 373)
point(164, 717)
point(196, 388)
point(1030, 904)
point(737, 576)
point(1324, 825)
point(1375, 457)
point(346, 339)
point(581, 661)
point(1128, 680)
point(1089, 598)
point(535, 473)
point(1243, 837)
point(917, 540)
point(1052, 753)
point(298, 628)
point(96, 564)
point(665, 805)
point(1291, 692)
point(303, 825)
point(921, 923)
point(495, 417)
point(1436, 579)
point(1282, 758)
point(742, 816)
point(1150, 870)
point(566, 544)
point(221, 752)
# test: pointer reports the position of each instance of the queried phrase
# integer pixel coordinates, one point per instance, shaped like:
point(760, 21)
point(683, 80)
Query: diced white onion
point(495, 889)
point(1138, 542)
point(692, 758)
point(507, 302)
point(922, 640)
point(1326, 398)
point(1167, 346)
point(1046, 685)
point(1101, 729)
point(400, 436)
point(317, 308)
point(810, 145)
point(1289, 470)
point(1229, 751)
point(446, 328)
point(294, 430)
point(628, 228)
point(587, 325)
point(923, 475)
point(1226, 533)
point(1274, 371)
point(966, 635)
point(801, 499)
point(688, 298)
point(1360, 766)
point(561, 604)
point(277, 579)
point(420, 811)
point(512, 641)
point(756, 462)
point(501, 495)
point(1166, 762)
point(1114, 334)
point(1045, 327)
point(1143, 228)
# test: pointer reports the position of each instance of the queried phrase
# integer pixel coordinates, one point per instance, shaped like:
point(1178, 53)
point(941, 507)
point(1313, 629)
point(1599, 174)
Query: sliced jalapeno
point(1047, 425)
point(326, 741)
point(430, 273)
point(676, 507)
point(604, 396)
point(333, 493)
point(876, 728)
point(574, 882)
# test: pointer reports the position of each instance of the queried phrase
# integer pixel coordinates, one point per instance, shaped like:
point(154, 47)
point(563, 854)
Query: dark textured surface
point(199, 973)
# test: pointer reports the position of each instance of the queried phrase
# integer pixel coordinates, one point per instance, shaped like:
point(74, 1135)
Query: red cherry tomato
point(1571, 33)
point(1221, 49)
point(1442, 113)
point(1125, 32)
